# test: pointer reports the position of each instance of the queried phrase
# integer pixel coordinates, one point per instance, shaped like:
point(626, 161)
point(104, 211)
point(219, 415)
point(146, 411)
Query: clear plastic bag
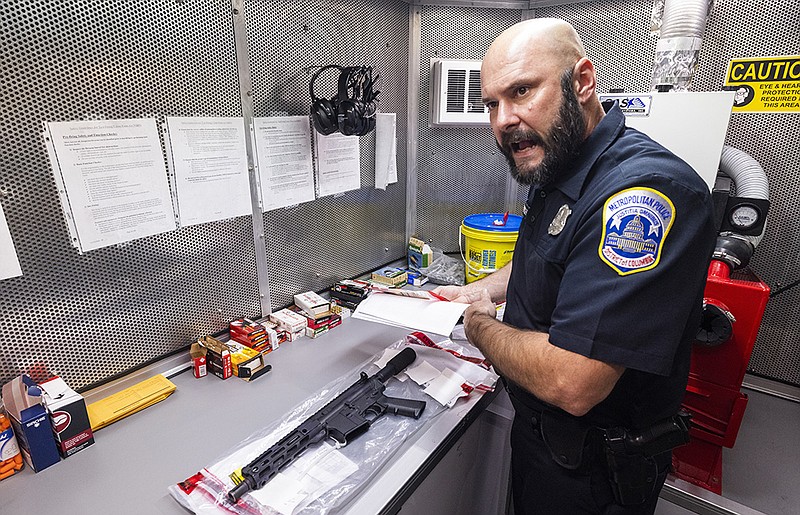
point(205, 492)
point(444, 269)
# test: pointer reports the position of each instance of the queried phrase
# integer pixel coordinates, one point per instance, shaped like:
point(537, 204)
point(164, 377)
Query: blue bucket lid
point(486, 222)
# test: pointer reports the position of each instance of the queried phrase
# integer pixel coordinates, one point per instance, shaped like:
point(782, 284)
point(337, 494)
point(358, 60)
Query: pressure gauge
point(744, 216)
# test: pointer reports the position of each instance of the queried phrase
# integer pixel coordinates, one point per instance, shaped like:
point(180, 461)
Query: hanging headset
point(323, 111)
point(352, 110)
point(356, 109)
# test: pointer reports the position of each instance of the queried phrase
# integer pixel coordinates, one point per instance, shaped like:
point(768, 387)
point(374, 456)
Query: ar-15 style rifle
point(344, 418)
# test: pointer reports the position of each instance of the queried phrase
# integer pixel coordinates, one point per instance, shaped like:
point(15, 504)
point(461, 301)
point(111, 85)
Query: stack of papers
point(434, 316)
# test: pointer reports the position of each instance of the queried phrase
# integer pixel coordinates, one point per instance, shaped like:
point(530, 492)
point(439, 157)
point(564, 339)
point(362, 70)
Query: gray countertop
point(135, 460)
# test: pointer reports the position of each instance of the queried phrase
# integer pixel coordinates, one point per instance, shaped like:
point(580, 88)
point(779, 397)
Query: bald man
point(604, 292)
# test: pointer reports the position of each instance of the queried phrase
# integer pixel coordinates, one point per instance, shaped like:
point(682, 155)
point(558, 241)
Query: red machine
point(734, 304)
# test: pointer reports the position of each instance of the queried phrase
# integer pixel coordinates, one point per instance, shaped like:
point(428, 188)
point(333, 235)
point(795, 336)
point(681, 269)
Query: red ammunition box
point(198, 355)
point(218, 358)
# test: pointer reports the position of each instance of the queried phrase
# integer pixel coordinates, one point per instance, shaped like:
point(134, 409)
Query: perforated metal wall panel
point(90, 317)
point(461, 172)
point(617, 37)
point(311, 246)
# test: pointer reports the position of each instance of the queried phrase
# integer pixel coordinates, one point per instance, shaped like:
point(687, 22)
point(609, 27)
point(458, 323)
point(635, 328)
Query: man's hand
point(480, 304)
point(453, 293)
point(494, 284)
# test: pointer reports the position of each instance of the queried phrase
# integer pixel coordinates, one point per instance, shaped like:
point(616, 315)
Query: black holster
point(632, 469)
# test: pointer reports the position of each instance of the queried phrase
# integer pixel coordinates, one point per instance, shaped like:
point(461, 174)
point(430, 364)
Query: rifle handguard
point(343, 418)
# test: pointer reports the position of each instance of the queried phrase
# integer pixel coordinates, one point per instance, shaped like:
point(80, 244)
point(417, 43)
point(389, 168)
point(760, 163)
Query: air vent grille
point(457, 99)
point(474, 97)
point(456, 80)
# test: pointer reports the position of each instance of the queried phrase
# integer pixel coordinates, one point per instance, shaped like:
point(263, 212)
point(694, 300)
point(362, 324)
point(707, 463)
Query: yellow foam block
point(129, 401)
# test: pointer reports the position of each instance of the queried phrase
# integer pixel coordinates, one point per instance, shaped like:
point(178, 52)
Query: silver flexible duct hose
point(682, 26)
point(684, 18)
point(749, 178)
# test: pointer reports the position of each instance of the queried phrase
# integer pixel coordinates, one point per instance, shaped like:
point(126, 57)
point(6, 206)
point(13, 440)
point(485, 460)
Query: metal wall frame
point(95, 316)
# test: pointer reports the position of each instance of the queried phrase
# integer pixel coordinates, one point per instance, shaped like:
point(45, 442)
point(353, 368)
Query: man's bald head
point(553, 41)
point(539, 88)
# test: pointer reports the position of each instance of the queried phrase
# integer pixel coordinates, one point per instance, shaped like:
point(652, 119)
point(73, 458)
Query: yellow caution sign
point(765, 84)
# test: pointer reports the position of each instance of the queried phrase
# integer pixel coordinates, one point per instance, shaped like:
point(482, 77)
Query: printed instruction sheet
point(283, 147)
point(338, 163)
point(114, 178)
point(9, 263)
point(209, 164)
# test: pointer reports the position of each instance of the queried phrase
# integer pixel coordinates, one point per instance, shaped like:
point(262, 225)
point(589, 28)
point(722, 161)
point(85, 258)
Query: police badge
point(559, 221)
point(636, 222)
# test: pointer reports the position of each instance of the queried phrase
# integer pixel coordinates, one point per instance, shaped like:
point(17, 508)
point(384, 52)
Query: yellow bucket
point(489, 240)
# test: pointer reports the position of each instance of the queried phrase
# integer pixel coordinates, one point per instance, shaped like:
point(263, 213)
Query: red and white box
point(218, 357)
point(198, 355)
point(312, 303)
point(250, 333)
point(289, 321)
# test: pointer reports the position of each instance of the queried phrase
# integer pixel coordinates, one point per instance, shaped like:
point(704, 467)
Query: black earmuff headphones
point(352, 110)
point(323, 111)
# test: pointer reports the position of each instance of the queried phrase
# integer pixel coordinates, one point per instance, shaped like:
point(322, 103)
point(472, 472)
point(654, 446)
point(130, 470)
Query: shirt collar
point(612, 124)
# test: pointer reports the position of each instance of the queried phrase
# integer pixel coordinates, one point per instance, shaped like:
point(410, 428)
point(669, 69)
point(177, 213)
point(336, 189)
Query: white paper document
point(209, 162)
point(9, 263)
point(385, 149)
point(283, 147)
point(338, 163)
point(305, 479)
point(435, 316)
point(114, 180)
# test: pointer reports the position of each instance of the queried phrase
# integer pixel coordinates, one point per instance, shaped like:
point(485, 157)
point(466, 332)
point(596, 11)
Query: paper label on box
point(55, 389)
point(200, 369)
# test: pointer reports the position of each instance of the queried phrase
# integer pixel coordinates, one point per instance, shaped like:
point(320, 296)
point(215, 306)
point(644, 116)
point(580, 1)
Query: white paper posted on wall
point(338, 163)
point(208, 162)
point(112, 180)
point(283, 150)
point(9, 263)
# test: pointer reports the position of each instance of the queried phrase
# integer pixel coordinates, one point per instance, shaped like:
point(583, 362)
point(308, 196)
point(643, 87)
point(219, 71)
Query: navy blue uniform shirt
point(611, 262)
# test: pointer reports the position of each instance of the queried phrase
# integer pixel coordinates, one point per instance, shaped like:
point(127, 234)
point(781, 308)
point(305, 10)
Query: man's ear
point(584, 79)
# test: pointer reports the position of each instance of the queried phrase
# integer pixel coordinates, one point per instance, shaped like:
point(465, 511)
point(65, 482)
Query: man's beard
point(561, 144)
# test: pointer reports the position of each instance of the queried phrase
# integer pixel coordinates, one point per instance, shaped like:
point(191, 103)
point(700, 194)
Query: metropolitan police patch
point(636, 222)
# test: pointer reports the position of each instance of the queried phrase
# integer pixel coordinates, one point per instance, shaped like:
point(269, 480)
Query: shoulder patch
point(636, 222)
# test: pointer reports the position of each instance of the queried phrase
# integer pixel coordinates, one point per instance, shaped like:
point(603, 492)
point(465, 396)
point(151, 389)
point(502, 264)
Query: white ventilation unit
point(457, 97)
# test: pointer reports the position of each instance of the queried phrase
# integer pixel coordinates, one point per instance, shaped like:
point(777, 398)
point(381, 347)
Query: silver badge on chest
point(560, 220)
